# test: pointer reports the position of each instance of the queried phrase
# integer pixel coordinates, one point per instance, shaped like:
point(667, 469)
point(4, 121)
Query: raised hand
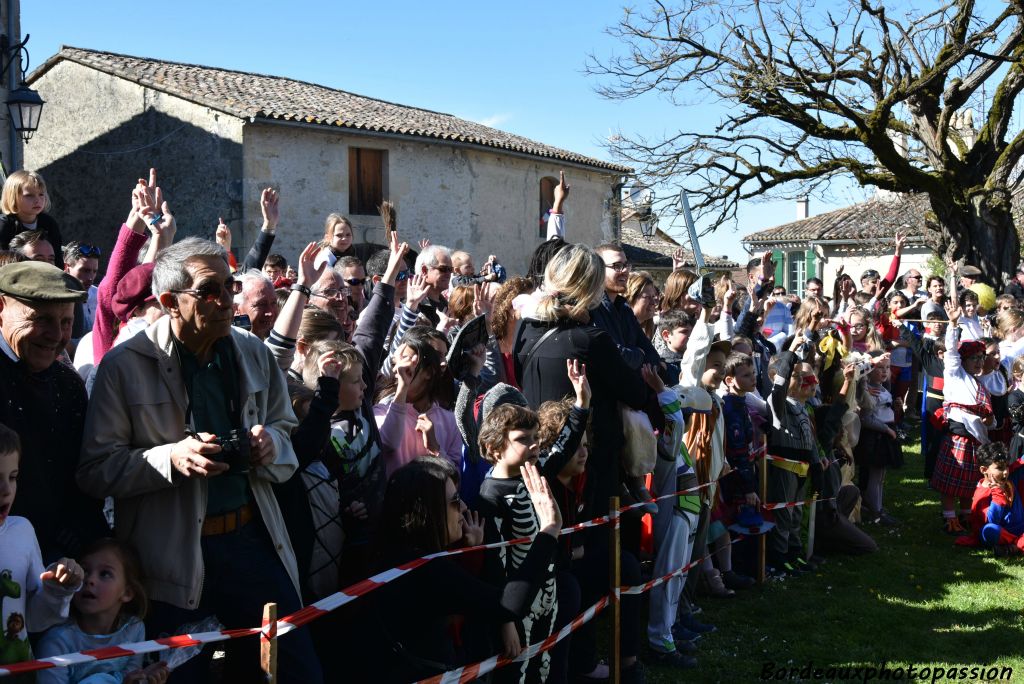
point(678, 258)
point(309, 273)
point(329, 365)
point(424, 243)
point(577, 371)
point(397, 250)
point(549, 518)
point(416, 291)
point(66, 572)
point(953, 312)
point(901, 241)
point(472, 528)
point(223, 234)
point(425, 427)
point(561, 193)
point(652, 378)
point(405, 368)
point(268, 205)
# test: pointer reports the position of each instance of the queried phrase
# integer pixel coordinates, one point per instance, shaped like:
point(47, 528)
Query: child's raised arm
point(577, 371)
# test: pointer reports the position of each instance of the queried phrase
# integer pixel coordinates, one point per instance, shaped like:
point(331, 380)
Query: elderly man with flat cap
point(188, 427)
point(44, 401)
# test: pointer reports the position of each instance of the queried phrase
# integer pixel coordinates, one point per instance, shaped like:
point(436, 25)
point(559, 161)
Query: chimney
point(803, 208)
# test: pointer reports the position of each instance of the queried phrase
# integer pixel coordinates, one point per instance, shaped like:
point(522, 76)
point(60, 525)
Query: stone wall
point(483, 202)
point(101, 133)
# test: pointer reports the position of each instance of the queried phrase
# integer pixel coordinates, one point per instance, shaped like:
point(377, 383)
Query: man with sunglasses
point(82, 261)
point(188, 428)
point(435, 263)
point(354, 275)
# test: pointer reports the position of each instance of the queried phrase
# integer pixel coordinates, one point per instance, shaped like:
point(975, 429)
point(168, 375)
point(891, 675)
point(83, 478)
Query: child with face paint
point(968, 416)
point(878, 447)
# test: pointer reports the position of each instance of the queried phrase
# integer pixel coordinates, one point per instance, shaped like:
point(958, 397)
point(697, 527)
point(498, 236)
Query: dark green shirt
point(214, 395)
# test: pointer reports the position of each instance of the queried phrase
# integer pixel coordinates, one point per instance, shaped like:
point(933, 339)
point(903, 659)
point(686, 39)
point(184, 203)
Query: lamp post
point(24, 105)
point(641, 199)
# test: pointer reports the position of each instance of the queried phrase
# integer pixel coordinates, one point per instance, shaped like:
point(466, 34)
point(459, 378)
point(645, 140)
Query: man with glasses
point(354, 275)
point(614, 315)
point(912, 283)
point(435, 263)
point(188, 427)
point(331, 294)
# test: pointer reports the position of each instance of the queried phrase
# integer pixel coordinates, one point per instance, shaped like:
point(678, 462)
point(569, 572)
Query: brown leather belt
point(227, 522)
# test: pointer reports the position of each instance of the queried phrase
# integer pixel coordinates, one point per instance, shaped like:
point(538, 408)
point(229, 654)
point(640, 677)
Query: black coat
point(11, 225)
point(611, 380)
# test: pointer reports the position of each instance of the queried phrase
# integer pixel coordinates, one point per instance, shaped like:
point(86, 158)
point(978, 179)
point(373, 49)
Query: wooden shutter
point(365, 180)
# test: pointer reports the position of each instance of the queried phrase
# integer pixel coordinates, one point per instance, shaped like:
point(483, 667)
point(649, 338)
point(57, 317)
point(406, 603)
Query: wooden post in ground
point(810, 525)
point(762, 539)
point(268, 644)
point(615, 581)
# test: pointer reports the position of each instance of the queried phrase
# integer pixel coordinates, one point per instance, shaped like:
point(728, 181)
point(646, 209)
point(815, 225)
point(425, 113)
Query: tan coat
point(136, 414)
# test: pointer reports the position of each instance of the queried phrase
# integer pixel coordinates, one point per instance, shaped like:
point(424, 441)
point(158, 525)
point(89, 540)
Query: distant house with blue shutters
point(856, 238)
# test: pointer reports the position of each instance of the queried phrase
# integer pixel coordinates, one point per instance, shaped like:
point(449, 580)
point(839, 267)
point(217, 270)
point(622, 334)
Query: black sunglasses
point(355, 282)
point(212, 292)
point(402, 275)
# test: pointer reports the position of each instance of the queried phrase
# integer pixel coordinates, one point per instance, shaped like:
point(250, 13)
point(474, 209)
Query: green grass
point(917, 601)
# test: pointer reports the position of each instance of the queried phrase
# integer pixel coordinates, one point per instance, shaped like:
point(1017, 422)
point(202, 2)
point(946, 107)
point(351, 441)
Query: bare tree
point(882, 94)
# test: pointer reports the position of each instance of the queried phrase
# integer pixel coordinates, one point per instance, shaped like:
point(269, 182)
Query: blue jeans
point(242, 572)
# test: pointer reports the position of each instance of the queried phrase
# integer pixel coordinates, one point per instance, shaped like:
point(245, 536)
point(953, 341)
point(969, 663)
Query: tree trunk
point(981, 230)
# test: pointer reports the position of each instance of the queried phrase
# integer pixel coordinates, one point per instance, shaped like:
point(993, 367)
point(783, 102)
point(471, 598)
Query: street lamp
point(640, 199)
point(23, 104)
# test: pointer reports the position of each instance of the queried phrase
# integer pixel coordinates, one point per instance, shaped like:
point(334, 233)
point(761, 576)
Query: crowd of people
point(190, 437)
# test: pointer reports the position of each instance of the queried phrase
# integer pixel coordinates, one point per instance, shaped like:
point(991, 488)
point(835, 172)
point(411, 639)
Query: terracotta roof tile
point(874, 219)
point(256, 96)
point(657, 251)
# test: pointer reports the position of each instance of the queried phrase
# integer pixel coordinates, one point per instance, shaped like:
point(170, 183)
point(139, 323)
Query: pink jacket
point(401, 443)
point(124, 258)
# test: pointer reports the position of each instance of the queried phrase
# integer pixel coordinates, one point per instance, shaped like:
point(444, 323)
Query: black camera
point(234, 450)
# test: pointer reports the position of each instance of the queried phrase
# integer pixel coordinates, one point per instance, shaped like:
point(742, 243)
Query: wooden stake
point(615, 581)
point(268, 644)
point(762, 540)
point(810, 525)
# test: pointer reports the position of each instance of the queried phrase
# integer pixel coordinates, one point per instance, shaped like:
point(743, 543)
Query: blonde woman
point(559, 331)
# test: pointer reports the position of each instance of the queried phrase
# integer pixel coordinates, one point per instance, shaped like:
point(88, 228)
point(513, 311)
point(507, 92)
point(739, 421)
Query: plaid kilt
point(956, 468)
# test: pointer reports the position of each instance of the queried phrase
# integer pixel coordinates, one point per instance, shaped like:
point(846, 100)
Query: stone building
point(217, 137)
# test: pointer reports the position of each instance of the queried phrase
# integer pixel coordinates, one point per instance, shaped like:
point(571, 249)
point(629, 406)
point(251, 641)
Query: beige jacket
point(136, 414)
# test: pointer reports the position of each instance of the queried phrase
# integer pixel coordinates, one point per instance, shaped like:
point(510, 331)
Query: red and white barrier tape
point(647, 586)
point(469, 673)
point(314, 610)
point(793, 504)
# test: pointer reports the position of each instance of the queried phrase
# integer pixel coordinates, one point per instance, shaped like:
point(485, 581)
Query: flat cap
point(970, 271)
point(35, 281)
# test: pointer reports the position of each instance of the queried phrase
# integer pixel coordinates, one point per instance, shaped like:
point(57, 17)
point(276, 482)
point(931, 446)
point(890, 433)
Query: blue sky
point(515, 66)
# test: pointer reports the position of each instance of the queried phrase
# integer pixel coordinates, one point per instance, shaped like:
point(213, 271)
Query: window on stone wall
point(366, 180)
point(547, 200)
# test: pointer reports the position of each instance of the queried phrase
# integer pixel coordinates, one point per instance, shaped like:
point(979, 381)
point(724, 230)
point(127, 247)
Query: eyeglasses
point(355, 282)
point(650, 297)
point(442, 269)
point(857, 326)
point(402, 275)
point(212, 291)
point(331, 293)
point(89, 250)
point(620, 266)
point(913, 277)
